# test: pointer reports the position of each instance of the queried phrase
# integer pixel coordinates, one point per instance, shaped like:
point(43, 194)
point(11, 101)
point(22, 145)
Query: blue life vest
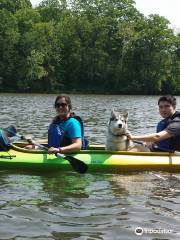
point(56, 134)
point(163, 144)
point(84, 140)
point(166, 144)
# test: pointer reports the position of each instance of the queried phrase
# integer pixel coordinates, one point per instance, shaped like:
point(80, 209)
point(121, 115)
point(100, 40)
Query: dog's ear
point(112, 111)
point(113, 114)
point(126, 116)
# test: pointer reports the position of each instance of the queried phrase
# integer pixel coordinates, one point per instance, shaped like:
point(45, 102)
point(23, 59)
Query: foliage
point(86, 46)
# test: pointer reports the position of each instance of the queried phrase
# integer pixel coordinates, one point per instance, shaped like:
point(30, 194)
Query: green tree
point(14, 5)
point(41, 51)
point(26, 19)
point(152, 54)
point(9, 37)
point(99, 46)
point(52, 10)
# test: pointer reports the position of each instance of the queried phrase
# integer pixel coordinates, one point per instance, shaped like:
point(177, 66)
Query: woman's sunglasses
point(57, 105)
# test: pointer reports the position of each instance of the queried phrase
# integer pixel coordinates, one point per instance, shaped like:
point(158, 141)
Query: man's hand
point(129, 135)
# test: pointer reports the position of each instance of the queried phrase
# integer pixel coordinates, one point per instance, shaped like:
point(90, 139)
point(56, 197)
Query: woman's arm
point(74, 147)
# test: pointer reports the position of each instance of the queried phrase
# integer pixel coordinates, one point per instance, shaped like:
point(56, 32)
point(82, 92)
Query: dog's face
point(118, 123)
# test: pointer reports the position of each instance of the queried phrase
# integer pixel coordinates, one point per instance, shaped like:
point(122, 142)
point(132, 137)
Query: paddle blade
point(77, 164)
point(4, 140)
point(11, 131)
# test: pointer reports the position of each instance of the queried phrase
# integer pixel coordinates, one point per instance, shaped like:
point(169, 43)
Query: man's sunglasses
point(57, 105)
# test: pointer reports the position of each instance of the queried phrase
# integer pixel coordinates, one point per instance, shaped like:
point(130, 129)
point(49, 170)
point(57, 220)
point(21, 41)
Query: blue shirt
point(71, 128)
point(62, 133)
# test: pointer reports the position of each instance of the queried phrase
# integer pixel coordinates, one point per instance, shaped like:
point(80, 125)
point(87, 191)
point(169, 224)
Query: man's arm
point(154, 137)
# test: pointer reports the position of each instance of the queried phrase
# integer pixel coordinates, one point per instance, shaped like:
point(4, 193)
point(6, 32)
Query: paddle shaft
point(76, 164)
point(44, 147)
point(34, 143)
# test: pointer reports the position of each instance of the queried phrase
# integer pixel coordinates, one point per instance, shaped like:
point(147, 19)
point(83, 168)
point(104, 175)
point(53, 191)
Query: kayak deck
point(97, 159)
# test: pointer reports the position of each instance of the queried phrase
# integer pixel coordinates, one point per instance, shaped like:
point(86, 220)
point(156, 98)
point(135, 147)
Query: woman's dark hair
point(67, 99)
point(168, 98)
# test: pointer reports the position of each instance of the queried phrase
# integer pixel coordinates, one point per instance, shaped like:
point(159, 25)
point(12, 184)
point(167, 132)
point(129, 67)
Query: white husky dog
point(116, 139)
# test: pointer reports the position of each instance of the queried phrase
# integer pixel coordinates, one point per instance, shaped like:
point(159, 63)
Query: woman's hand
point(53, 150)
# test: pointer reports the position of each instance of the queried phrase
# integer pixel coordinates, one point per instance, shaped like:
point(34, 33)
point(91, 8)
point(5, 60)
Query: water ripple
point(66, 205)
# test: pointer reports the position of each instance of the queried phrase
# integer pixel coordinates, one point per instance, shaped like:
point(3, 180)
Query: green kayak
point(96, 158)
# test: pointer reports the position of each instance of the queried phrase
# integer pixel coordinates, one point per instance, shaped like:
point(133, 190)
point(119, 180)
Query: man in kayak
point(66, 132)
point(167, 137)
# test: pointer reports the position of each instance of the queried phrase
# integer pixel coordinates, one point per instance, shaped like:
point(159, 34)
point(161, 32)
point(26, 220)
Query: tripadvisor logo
point(139, 231)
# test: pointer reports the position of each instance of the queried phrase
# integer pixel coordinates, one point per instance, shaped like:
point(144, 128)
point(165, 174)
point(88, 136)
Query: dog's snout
point(120, 125)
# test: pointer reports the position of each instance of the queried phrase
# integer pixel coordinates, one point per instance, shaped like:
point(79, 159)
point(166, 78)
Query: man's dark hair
point(168, 98)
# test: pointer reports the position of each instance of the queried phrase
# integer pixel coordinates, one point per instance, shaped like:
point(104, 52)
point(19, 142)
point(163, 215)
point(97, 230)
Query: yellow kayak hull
point(97, 159)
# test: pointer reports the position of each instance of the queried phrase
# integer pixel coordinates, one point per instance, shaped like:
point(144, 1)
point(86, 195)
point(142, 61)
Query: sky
point(169, 9)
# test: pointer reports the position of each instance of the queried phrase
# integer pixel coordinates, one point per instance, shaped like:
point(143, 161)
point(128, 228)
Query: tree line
point(97, 46)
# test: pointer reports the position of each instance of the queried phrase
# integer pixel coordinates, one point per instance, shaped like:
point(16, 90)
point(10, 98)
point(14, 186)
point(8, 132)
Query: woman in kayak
point(167, 136)
point(66, 132)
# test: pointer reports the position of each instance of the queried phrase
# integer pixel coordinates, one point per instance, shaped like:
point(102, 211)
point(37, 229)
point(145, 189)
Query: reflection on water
point(91, 206)
point(66, 205)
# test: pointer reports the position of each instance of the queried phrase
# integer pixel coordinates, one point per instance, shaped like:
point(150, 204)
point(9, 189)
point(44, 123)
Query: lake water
point(66, 205)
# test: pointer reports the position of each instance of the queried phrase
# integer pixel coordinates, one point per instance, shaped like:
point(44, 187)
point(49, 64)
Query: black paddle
point(77, 164)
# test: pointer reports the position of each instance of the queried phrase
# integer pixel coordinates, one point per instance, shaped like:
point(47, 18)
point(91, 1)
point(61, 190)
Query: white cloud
point(166, 8)
point(35, 2)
